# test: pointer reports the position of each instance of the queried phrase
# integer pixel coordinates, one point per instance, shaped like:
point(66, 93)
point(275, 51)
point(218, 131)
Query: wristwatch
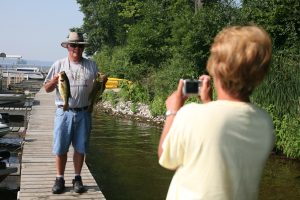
point(170, 112)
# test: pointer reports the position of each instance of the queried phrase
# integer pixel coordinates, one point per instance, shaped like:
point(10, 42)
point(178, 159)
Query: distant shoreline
point(10, 62)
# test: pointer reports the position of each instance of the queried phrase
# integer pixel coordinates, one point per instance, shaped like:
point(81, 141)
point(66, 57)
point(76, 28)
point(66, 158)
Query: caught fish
point(97, 90)
point(64, 89)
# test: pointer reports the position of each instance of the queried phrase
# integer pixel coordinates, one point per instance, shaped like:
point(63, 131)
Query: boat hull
point(4, 129)
point(11, 98)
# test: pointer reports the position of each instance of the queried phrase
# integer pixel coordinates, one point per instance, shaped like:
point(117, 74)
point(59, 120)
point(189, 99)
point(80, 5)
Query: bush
point(288, 136)
point(113, 62)
point(110, 96)
point(163, 82)
point(157, 107)
point(287, 133)
point(134, 92)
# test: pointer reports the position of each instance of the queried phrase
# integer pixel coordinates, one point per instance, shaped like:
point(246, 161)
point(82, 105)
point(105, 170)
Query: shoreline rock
point(123, 109)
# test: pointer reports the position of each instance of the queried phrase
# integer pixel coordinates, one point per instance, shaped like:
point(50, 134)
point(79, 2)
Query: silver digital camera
point(191, 87)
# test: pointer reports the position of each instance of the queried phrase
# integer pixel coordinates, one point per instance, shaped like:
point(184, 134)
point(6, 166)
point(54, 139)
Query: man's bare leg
point(61, 161)
point(78, 159)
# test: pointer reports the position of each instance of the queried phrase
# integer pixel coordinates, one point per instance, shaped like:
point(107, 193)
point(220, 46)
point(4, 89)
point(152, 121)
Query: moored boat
point(26, 72)
point(4, 128)
point(11, 98)
point(113, 83)
point(4, 170)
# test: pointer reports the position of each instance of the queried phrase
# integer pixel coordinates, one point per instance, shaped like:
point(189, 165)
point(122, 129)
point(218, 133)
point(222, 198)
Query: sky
point(34, 29)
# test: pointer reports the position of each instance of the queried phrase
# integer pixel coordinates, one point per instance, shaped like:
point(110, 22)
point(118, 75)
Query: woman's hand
point(176, 100)
point(205, 89)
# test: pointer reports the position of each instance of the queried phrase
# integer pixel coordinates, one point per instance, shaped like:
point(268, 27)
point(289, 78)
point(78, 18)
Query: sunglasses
point(72, 45)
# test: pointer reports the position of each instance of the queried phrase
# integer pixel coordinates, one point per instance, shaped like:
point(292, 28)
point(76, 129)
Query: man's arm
point(51, 84)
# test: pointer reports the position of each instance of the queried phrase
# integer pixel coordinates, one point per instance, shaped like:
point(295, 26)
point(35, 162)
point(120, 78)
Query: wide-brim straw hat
point(74, 38)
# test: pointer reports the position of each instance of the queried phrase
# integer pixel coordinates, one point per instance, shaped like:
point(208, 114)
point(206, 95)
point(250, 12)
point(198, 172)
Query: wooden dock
point(38, 163)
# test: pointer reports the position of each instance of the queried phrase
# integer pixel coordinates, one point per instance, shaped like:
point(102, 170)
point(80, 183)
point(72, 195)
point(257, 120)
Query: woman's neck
point(224, 95)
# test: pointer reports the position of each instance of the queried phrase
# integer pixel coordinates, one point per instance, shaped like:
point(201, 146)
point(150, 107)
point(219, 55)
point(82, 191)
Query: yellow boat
point(113, 83)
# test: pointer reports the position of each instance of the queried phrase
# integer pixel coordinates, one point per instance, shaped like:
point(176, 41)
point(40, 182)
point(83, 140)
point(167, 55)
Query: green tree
point(147, 47)
point(102, 24)
point(280, 18)
point(131, 12)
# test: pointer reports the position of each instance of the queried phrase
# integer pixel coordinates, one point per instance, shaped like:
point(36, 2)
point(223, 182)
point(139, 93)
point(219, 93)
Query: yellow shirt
point(218, 149)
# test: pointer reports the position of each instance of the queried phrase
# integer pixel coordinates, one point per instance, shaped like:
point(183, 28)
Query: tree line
point(154, 43)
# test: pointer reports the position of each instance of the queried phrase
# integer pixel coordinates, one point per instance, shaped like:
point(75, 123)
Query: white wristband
point(170, 112)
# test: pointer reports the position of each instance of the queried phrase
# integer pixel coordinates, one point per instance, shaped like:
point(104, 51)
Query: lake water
point(123, 160)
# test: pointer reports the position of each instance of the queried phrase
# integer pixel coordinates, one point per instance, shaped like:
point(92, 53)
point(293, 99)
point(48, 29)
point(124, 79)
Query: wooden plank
point(38, 163)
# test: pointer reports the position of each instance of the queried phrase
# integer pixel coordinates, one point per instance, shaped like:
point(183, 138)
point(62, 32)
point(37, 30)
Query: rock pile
point(137, 112)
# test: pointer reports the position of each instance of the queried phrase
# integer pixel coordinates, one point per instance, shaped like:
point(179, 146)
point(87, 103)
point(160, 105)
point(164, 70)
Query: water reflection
point(123, 160)
point(10, 186)
point(281, 179)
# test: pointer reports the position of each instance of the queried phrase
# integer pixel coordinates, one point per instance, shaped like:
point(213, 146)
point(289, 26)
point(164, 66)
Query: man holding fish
point(76, 82)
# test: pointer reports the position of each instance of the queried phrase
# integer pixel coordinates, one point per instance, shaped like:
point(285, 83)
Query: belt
point(75, 109)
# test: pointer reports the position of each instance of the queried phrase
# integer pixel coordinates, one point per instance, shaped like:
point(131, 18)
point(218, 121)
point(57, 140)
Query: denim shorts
point(71, 127)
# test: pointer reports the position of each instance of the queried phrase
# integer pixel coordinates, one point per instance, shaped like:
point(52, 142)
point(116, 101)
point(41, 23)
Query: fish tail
point(90, 108)
point(66, 107)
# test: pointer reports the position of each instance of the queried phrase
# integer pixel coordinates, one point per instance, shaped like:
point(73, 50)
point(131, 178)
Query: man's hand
point(51, 84)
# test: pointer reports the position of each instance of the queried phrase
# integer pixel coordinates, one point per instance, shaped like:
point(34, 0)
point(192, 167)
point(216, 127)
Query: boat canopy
point(28, 69)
